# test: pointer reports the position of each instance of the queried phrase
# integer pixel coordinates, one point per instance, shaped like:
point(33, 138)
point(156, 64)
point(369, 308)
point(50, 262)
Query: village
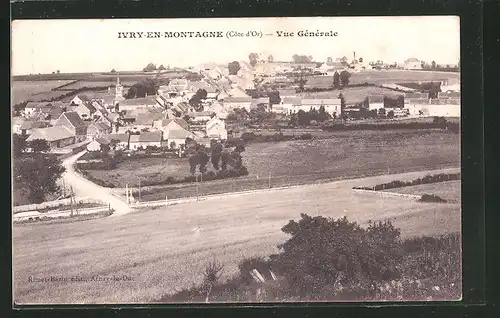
point(199, 109)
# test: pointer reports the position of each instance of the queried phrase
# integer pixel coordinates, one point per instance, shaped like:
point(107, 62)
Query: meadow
point(164, 250)
point(35, 90)
point(82, 84)
point(449, 190)
point(342, 155)
point(387, 77)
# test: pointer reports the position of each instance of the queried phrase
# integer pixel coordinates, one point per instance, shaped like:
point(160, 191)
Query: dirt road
point(85, 188)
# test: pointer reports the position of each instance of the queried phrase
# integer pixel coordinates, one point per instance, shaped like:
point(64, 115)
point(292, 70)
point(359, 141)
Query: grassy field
point(345, 155)
point(390, 76)
point(131, 171)
point(354, 94)
point(166, 249)
point(449, 190)
point(35, 90)
point(81, 84)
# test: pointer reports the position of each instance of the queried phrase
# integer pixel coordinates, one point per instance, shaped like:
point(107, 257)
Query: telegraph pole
point(197, 191)
point(139, 190)
point(269, 179)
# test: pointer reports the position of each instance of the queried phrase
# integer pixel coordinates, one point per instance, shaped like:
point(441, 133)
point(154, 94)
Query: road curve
point(85, 188)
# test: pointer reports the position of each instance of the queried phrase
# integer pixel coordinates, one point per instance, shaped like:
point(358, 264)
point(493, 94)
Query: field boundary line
point(389, 194)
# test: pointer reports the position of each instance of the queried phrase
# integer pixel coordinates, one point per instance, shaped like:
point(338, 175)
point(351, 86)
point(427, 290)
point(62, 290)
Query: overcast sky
point(44, 46)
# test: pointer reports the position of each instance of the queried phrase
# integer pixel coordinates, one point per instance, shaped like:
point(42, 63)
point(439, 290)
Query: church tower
point(118, 89)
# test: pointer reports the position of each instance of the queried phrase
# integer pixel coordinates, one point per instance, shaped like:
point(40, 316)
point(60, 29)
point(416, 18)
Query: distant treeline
point(441, 177)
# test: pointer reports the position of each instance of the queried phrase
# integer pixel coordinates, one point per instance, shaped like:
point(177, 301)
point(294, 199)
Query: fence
point(59, 214)
point(49, 204)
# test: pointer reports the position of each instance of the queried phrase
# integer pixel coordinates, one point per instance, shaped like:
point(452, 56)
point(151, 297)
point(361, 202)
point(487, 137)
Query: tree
point(233, 67)
point(390, 114)
point(303, 118)
point(253, 57)
point(37, 175)
point(39, 145)
point(342, 106)
point(323, 253)
point(322, 114)
point(381, 112)
point(215, 156)
point(18, 145)
point(161, 68)
point(195, 101)
point(433, 65)
point(149, 68)
point(203, 159)
point(302, 82)
point(141, 89)
point(360, 60)
point(344, 78)
point(274, 97)
point(172, 145)
point(113, 71)
point(336, 80)
point(329, 60)
point(270, 58)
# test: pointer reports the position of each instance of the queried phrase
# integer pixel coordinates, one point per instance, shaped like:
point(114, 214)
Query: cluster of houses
point(167, 118)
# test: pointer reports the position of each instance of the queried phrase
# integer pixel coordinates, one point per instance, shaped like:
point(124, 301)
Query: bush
point(324, 252)
point(431, 198)
point(425, 180)
point(305, 136)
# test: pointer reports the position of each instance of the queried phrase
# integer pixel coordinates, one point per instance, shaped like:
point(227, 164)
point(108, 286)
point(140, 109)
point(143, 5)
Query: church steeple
point(118, 89)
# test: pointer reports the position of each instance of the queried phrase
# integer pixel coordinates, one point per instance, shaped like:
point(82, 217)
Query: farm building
point(211, 91)
point(448, 94)
point(146, 120)
point(290, 104)
point(33, 107)
point(85, 110)
point(56, 137)
point(122, 140)
point(96, 130)
point(412, 64)
point(218, 109)
point(135, 103)
point(287, 93)
point(331, 105)
point(79, 99)
point(17, 122)
point(375, 102)
point(145, 139)
point(28, 126)
point(178, 137)
point(167, 125)
point(73, 122)
point(96, 145)
point(216, 129)
point(201, 116)
point(231, 103)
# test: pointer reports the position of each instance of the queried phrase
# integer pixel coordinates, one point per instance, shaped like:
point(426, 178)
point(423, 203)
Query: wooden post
point(269, 179)
point(139, 190)
point(197, 190)
point(126, 194)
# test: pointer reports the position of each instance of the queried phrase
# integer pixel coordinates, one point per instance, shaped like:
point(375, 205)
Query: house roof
point(100, 126)
point(150, 100)
point(317, 101)
point(416, 95)
point(147, 118)
point(149, 136)
point(84, 98)
point(33, 125)
point(242, 99)
point(179, 134)
point(51, 133)
point(112, 116)
point(181, 122)
point(74, 119)
point(89, 106)
point(201, 114)
point(117, 137)
point(102, 141)
point(182, 106)
point(36, 104)
point(412, 59)
point(376, 99)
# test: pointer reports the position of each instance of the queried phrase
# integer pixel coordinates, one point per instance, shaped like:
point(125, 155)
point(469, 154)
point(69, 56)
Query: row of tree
point(217, 155)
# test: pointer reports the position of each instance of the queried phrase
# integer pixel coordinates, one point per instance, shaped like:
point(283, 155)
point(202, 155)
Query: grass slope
point(165, 249)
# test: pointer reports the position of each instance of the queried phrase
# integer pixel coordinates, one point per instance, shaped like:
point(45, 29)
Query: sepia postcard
point(236, 160)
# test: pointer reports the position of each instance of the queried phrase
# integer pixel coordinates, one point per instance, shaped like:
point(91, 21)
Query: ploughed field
point(165, 249)
point(344, 155)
